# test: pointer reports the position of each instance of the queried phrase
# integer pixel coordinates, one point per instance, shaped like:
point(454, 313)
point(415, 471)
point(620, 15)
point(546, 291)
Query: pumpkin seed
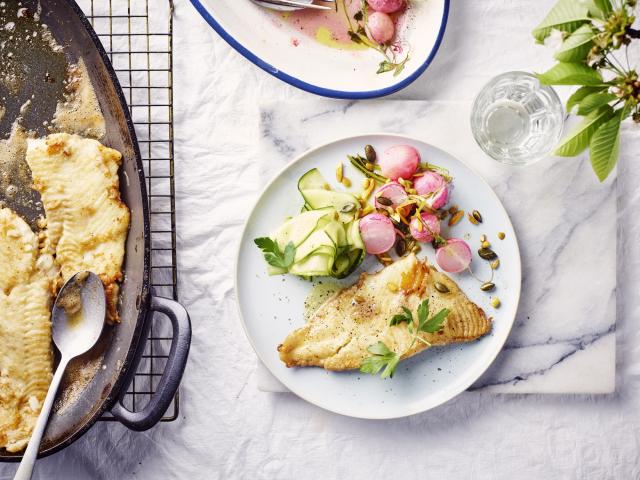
point(401, 247)
point(495, 264)
point(472, 219)
point(495, 302)
point(369, 166)
point(370, 153)
point(487, 286)
point(477, 216)
point(487, 254)
point(456, 217)
point(501, 235)
point(349, 207)
point(339, 173)
point(441, 287)
point(346, 182)
point(485, 244)
point(384, 201)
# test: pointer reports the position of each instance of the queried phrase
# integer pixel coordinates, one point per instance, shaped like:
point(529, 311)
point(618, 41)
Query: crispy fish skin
point(338, 334)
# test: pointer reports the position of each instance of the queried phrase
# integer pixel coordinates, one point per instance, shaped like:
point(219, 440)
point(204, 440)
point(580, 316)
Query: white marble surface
point(565, 326)
point(229, 429)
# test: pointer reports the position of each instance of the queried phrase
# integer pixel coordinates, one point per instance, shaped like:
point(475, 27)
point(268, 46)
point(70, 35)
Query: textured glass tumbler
point(516, 120)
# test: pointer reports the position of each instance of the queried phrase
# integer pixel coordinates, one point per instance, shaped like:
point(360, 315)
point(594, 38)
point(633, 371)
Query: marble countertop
point(229, 429)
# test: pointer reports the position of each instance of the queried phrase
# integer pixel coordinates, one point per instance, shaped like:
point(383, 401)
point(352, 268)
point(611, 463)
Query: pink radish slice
point(394, 192)
point(386, 6)
point(454, 257)
point(378, 233)
point(381, 27)
point(430, 227)
point(400, 161)
point(432, 183)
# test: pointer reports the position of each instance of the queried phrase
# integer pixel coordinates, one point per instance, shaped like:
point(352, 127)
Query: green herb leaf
point(605, 145)
point(273, 255)
point(402, 317)
point(436, 322)
point(567, 16)
point(581, 93)
point(386, 66)
point(570, 74)
point(576, 47)
point(381, 357)
point(594, 101)
point(578, 139)
point(423, 313)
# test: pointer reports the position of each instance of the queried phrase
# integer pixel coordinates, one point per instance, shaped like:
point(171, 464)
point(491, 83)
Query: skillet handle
point(168, 385)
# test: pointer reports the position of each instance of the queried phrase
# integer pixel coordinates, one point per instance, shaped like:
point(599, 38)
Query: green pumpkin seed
point(349, 207)
point(370, 152)
point(387, 202)
point(477, 216)
point(401, 247)
point(487, 286)
point(487, 254)
point(441, 287)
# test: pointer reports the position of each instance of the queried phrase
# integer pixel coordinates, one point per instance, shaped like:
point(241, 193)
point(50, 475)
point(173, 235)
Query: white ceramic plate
point(271, 307)
point(314, 67)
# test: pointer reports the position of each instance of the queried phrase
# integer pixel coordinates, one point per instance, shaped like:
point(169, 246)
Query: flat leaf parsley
point(273, 255)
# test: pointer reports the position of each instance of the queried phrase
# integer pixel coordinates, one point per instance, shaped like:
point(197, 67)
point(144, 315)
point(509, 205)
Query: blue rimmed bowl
point(280, 49)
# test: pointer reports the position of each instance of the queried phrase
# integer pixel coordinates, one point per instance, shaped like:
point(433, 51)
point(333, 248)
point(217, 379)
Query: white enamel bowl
point(318, 69)
point(271, 307)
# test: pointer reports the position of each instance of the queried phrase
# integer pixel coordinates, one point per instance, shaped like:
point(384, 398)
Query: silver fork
point(294, 4)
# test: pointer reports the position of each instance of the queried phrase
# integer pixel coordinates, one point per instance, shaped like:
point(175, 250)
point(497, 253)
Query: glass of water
point(516, 120)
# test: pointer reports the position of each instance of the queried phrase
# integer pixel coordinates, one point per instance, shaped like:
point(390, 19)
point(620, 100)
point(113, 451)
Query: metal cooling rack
point(139, 42)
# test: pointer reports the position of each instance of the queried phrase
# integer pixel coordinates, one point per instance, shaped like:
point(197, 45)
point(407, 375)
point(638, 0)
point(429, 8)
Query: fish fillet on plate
point(338, 334)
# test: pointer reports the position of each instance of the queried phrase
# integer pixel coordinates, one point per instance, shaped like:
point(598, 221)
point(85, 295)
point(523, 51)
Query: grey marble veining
point(563, 337)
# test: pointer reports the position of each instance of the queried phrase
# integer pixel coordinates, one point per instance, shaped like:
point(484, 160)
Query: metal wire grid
point(137, 35)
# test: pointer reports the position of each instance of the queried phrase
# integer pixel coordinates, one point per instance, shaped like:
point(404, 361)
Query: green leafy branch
point(383, 357)
point(592, 32)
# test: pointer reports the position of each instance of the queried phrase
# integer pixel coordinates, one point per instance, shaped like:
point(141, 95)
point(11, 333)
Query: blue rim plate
point(302, 84)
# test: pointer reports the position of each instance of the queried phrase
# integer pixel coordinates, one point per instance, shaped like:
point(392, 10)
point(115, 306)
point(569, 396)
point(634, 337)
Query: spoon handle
point(29, 458)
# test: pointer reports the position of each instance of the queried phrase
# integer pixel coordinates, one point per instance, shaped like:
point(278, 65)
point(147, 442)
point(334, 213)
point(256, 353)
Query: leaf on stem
point(567, 16)
point(580, 94)
point(594, 101)
point(599, 8)
point(605, 145)
point(564, 73)
point(578, 139)
point(576, 47)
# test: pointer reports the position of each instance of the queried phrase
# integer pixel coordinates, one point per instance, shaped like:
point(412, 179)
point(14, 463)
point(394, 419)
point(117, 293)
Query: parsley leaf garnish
point(424, 324)
point(402, 317)
point(273, 255)
point(381, 358)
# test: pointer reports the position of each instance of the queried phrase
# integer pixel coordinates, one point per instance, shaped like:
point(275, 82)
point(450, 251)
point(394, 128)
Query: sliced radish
point(426, 230)
point(386, 6)
point(378, 233)
point(400, 161)
point(433, 185)
point(454, 257)
point(381, 27)
point(392, 191)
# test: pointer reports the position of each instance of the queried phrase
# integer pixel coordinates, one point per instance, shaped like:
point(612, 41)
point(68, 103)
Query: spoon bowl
point(75, 333)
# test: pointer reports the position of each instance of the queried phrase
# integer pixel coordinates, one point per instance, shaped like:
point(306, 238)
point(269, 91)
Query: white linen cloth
point(228, 429)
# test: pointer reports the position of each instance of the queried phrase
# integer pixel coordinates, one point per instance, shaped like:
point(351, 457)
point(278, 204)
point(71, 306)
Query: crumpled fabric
point(227, 429)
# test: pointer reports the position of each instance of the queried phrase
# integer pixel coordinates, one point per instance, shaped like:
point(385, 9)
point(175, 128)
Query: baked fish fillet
point(338, 334)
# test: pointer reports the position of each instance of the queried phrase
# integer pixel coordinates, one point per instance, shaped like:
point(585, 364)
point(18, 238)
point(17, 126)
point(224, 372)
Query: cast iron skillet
point(121, 346)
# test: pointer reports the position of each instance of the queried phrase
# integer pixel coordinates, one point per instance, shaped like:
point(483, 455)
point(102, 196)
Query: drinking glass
point(515, 120)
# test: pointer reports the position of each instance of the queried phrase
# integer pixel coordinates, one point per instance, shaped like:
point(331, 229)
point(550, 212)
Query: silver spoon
point(288, 5)
point(77, 317)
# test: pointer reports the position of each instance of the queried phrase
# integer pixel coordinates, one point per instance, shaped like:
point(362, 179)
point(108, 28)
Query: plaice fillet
point(87, 222)
point(338, 334)
point(26, 359)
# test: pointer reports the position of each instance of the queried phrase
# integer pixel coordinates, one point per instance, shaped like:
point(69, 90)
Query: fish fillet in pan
point(338, 334)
